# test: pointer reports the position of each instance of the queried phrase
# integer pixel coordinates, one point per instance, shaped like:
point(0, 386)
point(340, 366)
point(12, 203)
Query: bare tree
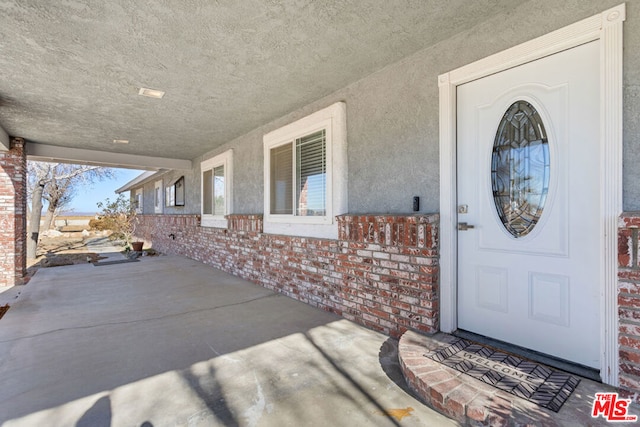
point(57, 183)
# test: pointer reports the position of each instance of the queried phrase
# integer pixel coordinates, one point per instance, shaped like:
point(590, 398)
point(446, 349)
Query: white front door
point(529, 185)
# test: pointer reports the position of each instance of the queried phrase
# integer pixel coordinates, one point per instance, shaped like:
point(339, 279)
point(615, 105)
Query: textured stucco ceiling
point(70, 70)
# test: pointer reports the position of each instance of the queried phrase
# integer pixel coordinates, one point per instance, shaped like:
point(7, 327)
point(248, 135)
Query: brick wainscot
point(629, 304)
point(381, 272)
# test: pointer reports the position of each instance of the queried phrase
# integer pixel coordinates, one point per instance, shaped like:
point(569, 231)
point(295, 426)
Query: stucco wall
point(392, 115)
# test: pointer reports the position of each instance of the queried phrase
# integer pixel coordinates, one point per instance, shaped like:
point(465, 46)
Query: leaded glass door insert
point(520, 168)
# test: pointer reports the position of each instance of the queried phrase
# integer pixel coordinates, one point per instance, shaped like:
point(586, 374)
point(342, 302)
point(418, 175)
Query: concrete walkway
point(9, 294)
point(168, 341)
point(108, 250)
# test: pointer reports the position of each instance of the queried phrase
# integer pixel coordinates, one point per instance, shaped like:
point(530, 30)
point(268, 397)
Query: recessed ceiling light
point(151, 93)
point(120, 141)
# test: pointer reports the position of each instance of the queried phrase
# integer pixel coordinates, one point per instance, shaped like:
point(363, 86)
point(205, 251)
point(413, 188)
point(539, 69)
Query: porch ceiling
point(70, 71)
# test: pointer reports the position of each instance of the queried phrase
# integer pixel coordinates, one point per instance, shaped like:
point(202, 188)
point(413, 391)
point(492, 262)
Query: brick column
point(13, 211)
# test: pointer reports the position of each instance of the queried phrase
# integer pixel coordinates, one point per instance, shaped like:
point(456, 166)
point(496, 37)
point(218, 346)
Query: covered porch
point(199, 91)
point(171, 341)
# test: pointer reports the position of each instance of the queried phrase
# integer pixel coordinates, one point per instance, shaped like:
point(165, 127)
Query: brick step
point(474, 403)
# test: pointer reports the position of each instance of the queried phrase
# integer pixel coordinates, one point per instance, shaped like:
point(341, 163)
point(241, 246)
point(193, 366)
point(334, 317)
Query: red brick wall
point(13, 198)
point(382, 272)
point(629, 303)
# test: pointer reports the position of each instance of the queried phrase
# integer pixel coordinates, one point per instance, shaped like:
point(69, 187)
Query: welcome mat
point(523, 378)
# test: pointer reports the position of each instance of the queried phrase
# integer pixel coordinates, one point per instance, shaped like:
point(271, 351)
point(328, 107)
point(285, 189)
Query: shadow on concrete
point(99, 415)
point(77, 331)
point(351, 380)
point(388, 357)
point(210, 392)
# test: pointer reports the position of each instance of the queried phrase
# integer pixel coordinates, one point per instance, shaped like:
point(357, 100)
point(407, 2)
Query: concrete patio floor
point(168, 341)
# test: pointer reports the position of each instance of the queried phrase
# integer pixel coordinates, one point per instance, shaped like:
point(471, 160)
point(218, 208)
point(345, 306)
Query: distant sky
point(86, 198)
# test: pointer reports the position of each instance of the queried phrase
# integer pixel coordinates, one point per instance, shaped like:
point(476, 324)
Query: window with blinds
point(305, 174)
point(311, 175)
point(300, 191)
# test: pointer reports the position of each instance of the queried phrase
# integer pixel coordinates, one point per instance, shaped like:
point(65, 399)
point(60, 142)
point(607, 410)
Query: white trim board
point(51, 153)
point(607, 29)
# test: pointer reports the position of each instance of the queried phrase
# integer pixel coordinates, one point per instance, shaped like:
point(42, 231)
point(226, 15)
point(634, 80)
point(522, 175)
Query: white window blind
point(311, 176)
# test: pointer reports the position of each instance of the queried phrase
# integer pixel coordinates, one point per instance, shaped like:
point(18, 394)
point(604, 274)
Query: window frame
point(225, 160)
point(332, 119)
point(138, 200)
point(158, 196)
point(171, 193)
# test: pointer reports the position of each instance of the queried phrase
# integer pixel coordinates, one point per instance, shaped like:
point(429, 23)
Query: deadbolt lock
point(463, 226)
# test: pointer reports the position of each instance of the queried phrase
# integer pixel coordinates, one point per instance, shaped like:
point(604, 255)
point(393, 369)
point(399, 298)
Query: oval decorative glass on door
point(520, 168)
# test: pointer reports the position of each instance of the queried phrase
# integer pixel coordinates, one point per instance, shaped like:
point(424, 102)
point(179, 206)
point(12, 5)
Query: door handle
point(463, 226)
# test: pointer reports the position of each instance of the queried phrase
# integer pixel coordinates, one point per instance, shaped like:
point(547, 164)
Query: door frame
point(606, 28)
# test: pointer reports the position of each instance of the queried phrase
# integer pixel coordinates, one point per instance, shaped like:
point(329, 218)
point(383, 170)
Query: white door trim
point(607, 28)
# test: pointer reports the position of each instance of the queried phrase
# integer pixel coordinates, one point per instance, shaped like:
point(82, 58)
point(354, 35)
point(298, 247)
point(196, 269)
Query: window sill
point(293, 220)
point(213, 221)
point(321, 231)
